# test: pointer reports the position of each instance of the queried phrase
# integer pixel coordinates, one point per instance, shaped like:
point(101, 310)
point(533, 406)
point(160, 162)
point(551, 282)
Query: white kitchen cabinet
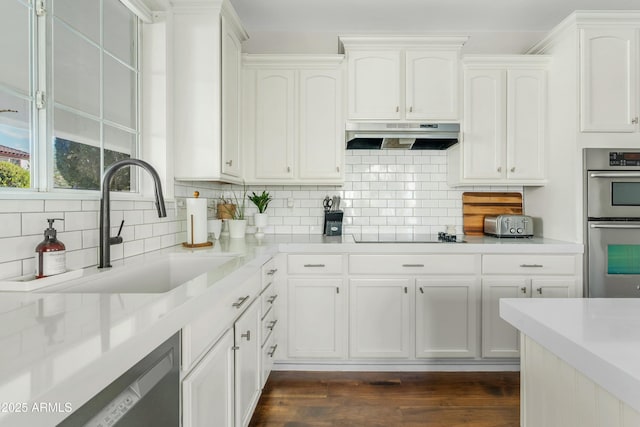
point(269, 318)
point(505, 127)
point(247, 364)
point(608, 84)
point(208, 390)
point(447, 317)
point(374, 85)
point(403, 78)
point(231, 52)
point(380, 317)
point(293, 124)
point(204, 110)
point(499, 338)
point(316, 320)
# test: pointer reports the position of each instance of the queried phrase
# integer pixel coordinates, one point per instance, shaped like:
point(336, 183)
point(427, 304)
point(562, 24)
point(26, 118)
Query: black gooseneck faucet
point(105, 206)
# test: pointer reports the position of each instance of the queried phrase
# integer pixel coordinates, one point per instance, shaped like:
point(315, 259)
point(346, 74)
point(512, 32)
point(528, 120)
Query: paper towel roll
point(196, 220)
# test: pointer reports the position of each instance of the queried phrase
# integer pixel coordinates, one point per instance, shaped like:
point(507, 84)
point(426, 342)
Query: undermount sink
point(157, 275)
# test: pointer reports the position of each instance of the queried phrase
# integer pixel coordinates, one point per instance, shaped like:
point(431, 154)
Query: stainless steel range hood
point(401, 136)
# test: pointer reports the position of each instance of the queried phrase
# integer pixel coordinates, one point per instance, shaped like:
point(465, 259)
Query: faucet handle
point(118, 239)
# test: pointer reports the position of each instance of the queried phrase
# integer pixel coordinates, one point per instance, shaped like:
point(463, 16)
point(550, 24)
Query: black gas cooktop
point(409, 238)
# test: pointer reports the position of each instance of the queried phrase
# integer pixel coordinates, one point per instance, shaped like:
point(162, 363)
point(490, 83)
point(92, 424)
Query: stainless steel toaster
point(508, 225)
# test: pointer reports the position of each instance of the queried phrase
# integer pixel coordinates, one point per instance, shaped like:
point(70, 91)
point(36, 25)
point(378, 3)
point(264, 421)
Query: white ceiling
point(459, 16)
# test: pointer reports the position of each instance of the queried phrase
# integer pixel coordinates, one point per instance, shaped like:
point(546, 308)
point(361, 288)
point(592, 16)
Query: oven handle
point(618, 226)
point(614, 175)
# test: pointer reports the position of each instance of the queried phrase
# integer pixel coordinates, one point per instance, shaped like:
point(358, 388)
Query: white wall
point(326, 43)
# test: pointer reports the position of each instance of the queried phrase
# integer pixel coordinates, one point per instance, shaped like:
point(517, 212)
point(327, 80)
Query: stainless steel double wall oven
point(612, 206)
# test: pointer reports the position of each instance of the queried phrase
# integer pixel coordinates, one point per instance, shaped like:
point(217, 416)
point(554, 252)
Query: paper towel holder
point(196, 194)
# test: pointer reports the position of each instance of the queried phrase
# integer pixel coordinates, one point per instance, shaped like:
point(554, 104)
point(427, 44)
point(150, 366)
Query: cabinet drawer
point(315, 264)
point(269, 324)
point(412, 264)
point(269, 271)
point(268, 299)
point(200, 334)
point(269, 353)
point(531, 264)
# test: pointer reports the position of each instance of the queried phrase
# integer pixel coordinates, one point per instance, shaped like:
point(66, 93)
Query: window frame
point(41, 80)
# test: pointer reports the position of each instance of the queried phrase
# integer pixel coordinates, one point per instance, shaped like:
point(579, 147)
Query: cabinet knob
point(397, 108)
point(337, 168)
point(523, 289)
point(229, 163)
point(634, 121)
point(513, 169)
point(499, 168)
point(411, 109)
point(288, 168)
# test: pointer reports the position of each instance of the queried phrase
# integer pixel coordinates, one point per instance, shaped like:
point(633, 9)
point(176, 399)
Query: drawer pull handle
point(272, 271)
point(539, 290)
point(272, 298)
point(272, 324)
point(523, 289)
point(413, 265)
point(247, 336)
point(240, 302)
point(314, 265)
point(421, 290)
point(338, 290)
point(405, 290)
point(273, 350)
point(531, 265)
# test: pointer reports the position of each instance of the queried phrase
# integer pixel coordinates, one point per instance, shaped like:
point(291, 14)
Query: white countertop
point(64, 348)
point(599, 337)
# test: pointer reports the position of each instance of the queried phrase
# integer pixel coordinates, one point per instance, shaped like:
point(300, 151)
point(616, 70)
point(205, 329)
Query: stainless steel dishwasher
point(148, 394)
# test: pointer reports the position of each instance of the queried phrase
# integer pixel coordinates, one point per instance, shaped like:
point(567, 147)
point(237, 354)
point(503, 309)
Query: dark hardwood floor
point(430, 399)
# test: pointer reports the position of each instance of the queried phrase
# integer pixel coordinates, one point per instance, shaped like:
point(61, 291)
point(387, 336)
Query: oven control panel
point(631, 159)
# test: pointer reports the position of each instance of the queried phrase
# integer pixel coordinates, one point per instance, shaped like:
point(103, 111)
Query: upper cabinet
point(505, 122)
point(293, 128)
point(608, 85)
point(205, 104)
point(403, 78)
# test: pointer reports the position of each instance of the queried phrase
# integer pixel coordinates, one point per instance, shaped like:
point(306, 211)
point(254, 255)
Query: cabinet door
point(374, 85)
point(321, 124)
point(231, 49)
point(526, 123)
point(484, 125)
point(247, 362)
point(431, 86)
point(499, 338)
point(207, 391)
point(553, 288)
point(316, 318)
point(380, 318)
point(446, 317)
point(608, 88)
point(275, 126)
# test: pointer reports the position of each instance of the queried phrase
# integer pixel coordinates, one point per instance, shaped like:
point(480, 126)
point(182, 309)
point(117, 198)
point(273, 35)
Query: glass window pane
point(76, 74)
point(82, 15)
point(76, 151)
point(15, 141)
point(14, 45)
point(120, 32)
point(118, 145)
point(119, 93)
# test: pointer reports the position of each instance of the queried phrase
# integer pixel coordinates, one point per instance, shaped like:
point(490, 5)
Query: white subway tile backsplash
point(18, 248)
point(21, 205)
point(132, 248)
point(10, 225)
point(80, 220)
point(62, 205)
point(35, 223)
point(91, 205)
point(10, 269)
point(143, 231)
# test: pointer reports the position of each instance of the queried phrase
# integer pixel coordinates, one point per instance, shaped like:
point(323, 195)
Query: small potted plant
point(261, 218)
point(238, 224)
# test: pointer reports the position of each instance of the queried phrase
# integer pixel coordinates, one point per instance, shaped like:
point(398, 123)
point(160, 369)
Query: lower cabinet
point(316, 320)
point(447, 317)
point(207, 390)
point(247, 360)
point(380, 318)
point(499, 338)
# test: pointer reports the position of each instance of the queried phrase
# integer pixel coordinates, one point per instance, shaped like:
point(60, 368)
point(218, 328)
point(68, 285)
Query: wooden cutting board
point(475, 205)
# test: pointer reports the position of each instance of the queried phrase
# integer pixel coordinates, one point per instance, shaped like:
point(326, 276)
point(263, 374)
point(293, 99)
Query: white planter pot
point(261, 220)
point(237, 228)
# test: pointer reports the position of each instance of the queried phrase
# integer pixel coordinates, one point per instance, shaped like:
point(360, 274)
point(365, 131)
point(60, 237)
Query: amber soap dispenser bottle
point(50, 253)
